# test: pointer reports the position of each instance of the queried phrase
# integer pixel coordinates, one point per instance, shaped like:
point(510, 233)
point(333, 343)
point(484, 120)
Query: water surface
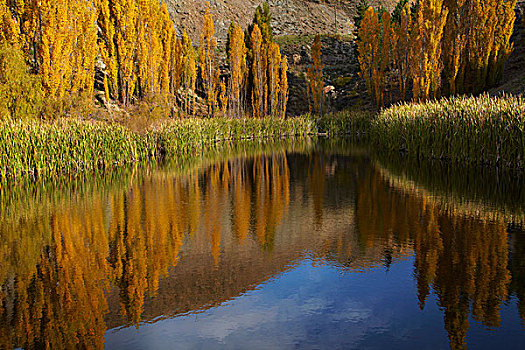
point(284, 246)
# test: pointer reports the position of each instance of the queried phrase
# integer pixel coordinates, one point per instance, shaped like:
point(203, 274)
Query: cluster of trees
point(436, 47)
point(136, 47)
point(258, 70)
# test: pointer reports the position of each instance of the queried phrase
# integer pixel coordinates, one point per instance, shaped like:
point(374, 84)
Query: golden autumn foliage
point(258, 73)
point(386, 57)
point(238, 71)
point(223, 96)
point(65, 270)
point(207, 62)
point(283, 100)
point(269, 80)
point(9, 33)
point(427, 62)
point(20, 92)
point(438, 47)
point(401, 49)
point(132, 45)
point(315, 79)
point(99, 260)
point(274, 85)
point(369, 48)
point(188, 75)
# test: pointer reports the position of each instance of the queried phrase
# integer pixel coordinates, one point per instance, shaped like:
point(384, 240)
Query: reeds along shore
point(473, 130)
point(477, 130)
point(480, 130)
point(69, 146)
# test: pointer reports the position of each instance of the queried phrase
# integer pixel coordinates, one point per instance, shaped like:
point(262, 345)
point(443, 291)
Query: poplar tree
point(386, 57)
point(369, 48)
point(125, 14)
point(427, 63)
point(283, 99)
point(148, 53)
point(189, 74)
point(361, 9)
point(454, 42)
point(84, 51)
point(223, 96)
point(9, 29)
point(503, 47)
point(315, 77)
point(238, 71)
point(258, 73)
point(56, 46)
point(274, 63)
point(401, 49)
point(167, 36)
point(207, 62)
point(107, 49)
point(175, 64)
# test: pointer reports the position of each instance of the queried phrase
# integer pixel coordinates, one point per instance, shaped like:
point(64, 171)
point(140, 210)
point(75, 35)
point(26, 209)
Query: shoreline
point(464, 130)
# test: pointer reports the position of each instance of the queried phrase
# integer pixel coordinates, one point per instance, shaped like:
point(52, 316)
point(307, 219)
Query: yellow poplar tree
point(107, 49)
point(189, 74)
point(9, 30)
point(223, 96)
point(274, 64)
point(502, 48)
point(369, 48)
point(84, 47)
point(283, 99)
point(476, 42)
point(454, 42)
point(56, 47)
point(401, 49)
point(258, 73)
point(125, 21)
point(239, 71)
point(166, 39)
point(427, 63)
point(386, 57)
point(207, 61)
point(315, 77)
point(175, 64)
point(149, 48)
point(482, 40)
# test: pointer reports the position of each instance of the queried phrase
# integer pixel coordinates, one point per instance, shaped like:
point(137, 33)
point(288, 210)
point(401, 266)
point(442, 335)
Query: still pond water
point(285, 246)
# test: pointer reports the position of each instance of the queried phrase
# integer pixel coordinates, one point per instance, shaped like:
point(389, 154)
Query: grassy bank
point(480, 130)
point(467, 130)
point(72, 146)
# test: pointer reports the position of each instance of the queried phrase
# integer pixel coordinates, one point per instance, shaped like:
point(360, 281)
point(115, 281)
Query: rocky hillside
point(290, 17)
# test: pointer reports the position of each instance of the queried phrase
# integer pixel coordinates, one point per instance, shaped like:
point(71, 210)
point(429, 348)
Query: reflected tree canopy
point(162, 243)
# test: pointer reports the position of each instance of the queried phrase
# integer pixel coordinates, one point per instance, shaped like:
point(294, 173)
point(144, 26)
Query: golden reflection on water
point(461, 255)
point(167, 244)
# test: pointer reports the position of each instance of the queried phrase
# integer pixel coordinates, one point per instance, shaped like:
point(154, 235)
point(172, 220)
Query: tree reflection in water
point(169, 243)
